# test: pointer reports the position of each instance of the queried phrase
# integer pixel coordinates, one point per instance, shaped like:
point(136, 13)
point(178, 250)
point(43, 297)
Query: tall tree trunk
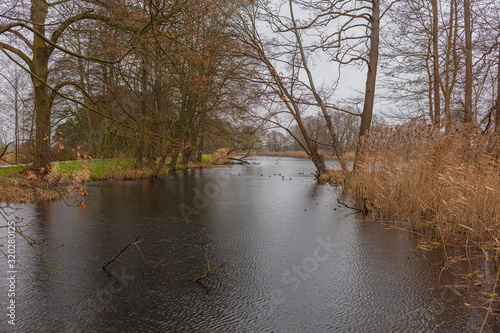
point(173, 161)
point(43, 104)
point(16, 110)
point(468, 63)
point(451, 55)
point(437, 77)
point(430, 81)
point(199, 151)
point(497, 104)
point(371, 77)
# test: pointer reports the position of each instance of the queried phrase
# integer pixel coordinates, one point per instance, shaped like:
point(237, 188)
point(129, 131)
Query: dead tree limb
point(240, 160)
point(143, 257)
point(366, 207)
point(115, 258)
point(209, 269)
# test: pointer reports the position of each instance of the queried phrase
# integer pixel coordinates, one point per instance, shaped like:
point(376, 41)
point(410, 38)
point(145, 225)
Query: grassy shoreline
point(20, 184)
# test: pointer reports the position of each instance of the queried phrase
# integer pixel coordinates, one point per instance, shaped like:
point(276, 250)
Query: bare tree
point(286, 75)
point(32, 42)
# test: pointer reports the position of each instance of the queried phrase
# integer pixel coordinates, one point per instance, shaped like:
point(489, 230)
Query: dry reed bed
point(450, 182)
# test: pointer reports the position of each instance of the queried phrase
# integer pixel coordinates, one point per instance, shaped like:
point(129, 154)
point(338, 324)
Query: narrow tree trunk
point(371, 77)
point(497, 104)
point(199, 152)
point(468, 63)
point(437, 77)
point(451, 55)
point(430, 81)
point(173, 161)
point(143, 144)
point(16, 110)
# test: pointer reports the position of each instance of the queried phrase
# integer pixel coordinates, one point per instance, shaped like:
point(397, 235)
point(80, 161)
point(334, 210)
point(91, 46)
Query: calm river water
point(296, 261)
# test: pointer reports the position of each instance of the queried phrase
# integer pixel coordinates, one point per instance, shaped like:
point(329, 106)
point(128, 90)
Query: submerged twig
point(143, 257)
point(209, 269)
point(115, 258)
point(136, 241)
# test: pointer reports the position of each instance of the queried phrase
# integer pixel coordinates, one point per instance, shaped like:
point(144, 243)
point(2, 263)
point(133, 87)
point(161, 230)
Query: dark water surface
point(296, 261)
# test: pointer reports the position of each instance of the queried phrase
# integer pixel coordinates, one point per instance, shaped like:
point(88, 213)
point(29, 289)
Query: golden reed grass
point(448, 181)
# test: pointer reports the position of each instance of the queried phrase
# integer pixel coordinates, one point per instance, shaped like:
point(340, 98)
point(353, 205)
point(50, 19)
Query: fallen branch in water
point(115, 258)
point(239, 160)
point(136, 241)
point(143, 257)
point(350, 207)
point(209, 269)
point(366, 209)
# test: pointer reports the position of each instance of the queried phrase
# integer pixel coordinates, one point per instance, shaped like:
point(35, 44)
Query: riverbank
point(20, 184)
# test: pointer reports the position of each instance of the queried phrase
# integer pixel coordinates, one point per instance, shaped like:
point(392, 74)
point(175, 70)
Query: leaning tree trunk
point(319, 163)
point(317, 159)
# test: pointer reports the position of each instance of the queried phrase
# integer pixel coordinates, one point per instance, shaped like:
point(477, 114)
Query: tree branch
point(115, 258)
point(17, 52)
